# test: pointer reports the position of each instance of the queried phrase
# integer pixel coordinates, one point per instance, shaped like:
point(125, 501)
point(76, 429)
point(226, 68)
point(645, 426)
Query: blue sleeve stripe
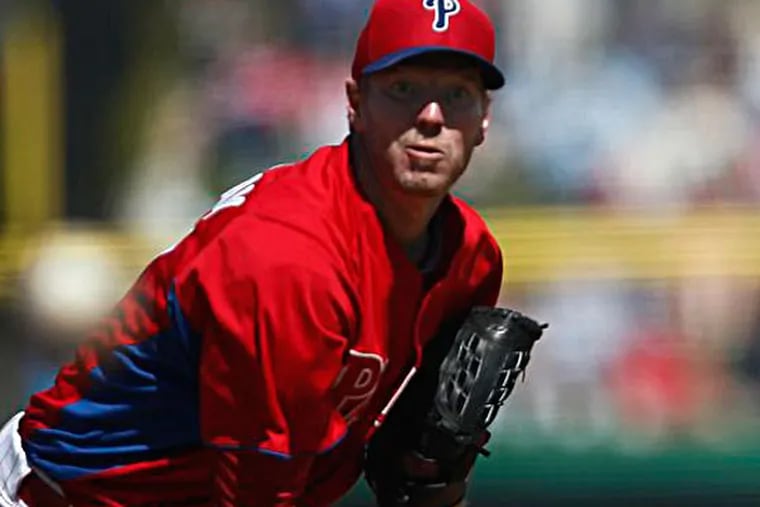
point(141, 404)
point(280, 455)
point(179, 322)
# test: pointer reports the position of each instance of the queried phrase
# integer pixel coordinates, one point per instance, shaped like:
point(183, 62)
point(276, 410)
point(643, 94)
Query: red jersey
point(249, 364)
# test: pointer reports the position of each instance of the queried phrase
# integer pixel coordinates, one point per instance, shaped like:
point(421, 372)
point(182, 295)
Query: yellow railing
point(548, 244)
point(540, 245)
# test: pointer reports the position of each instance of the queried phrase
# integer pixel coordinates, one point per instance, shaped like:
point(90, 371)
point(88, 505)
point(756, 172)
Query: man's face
point(420, 122)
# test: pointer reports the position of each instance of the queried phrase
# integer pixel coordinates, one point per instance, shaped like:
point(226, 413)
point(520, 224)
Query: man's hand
point(423, 455)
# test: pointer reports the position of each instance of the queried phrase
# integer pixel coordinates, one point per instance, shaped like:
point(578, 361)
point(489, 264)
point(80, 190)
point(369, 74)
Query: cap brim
point(493, 79)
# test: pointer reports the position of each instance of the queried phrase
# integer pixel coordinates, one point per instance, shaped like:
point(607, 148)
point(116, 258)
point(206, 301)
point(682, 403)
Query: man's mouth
point(424, 152)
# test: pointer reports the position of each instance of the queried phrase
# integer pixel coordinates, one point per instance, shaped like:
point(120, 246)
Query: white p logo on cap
point(444, 9)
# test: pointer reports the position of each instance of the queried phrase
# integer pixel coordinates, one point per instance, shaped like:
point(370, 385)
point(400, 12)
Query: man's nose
point(430, 119)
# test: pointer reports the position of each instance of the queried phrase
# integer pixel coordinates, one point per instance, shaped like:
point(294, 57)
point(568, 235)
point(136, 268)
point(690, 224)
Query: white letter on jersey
point(234, 196)
point(357, 382)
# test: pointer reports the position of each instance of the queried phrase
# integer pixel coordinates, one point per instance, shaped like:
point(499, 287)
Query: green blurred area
point(546, 476)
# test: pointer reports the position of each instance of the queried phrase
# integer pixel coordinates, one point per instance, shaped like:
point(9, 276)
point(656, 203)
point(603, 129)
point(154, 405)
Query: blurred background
point(621, 177)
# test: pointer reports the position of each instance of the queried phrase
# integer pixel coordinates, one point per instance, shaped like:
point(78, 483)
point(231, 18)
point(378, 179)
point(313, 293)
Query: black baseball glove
point(423, 453)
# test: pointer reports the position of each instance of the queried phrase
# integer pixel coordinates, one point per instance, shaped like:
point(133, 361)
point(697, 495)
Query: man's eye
point(459, 96)
point(402, 89)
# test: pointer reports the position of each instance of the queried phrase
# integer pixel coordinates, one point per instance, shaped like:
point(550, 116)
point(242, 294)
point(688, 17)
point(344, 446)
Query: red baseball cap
point(400, 29)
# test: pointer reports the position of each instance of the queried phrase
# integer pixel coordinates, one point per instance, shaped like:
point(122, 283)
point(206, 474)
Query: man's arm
point(253, 479)
point(274, 331)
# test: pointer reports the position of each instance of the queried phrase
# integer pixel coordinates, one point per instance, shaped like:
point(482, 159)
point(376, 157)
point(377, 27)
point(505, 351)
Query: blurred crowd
point(612, 104)
point(626, 103)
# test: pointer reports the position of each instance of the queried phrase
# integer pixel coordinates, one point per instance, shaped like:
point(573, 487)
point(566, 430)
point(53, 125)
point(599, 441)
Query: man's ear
point(484, 123)
point(353, 97)
point(483, 130)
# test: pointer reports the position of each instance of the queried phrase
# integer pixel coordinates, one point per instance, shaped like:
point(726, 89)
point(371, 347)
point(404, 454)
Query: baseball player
point(251, 364)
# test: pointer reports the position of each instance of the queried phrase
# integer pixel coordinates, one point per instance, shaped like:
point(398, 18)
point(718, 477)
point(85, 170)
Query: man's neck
point(406, 218)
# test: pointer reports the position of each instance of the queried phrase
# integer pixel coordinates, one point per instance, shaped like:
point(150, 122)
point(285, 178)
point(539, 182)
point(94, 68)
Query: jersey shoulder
point(478, 265)
point(477, 236)
point(289, 214)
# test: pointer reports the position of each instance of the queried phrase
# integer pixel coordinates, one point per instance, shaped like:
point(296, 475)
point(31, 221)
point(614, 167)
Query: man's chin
point(427, 186)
